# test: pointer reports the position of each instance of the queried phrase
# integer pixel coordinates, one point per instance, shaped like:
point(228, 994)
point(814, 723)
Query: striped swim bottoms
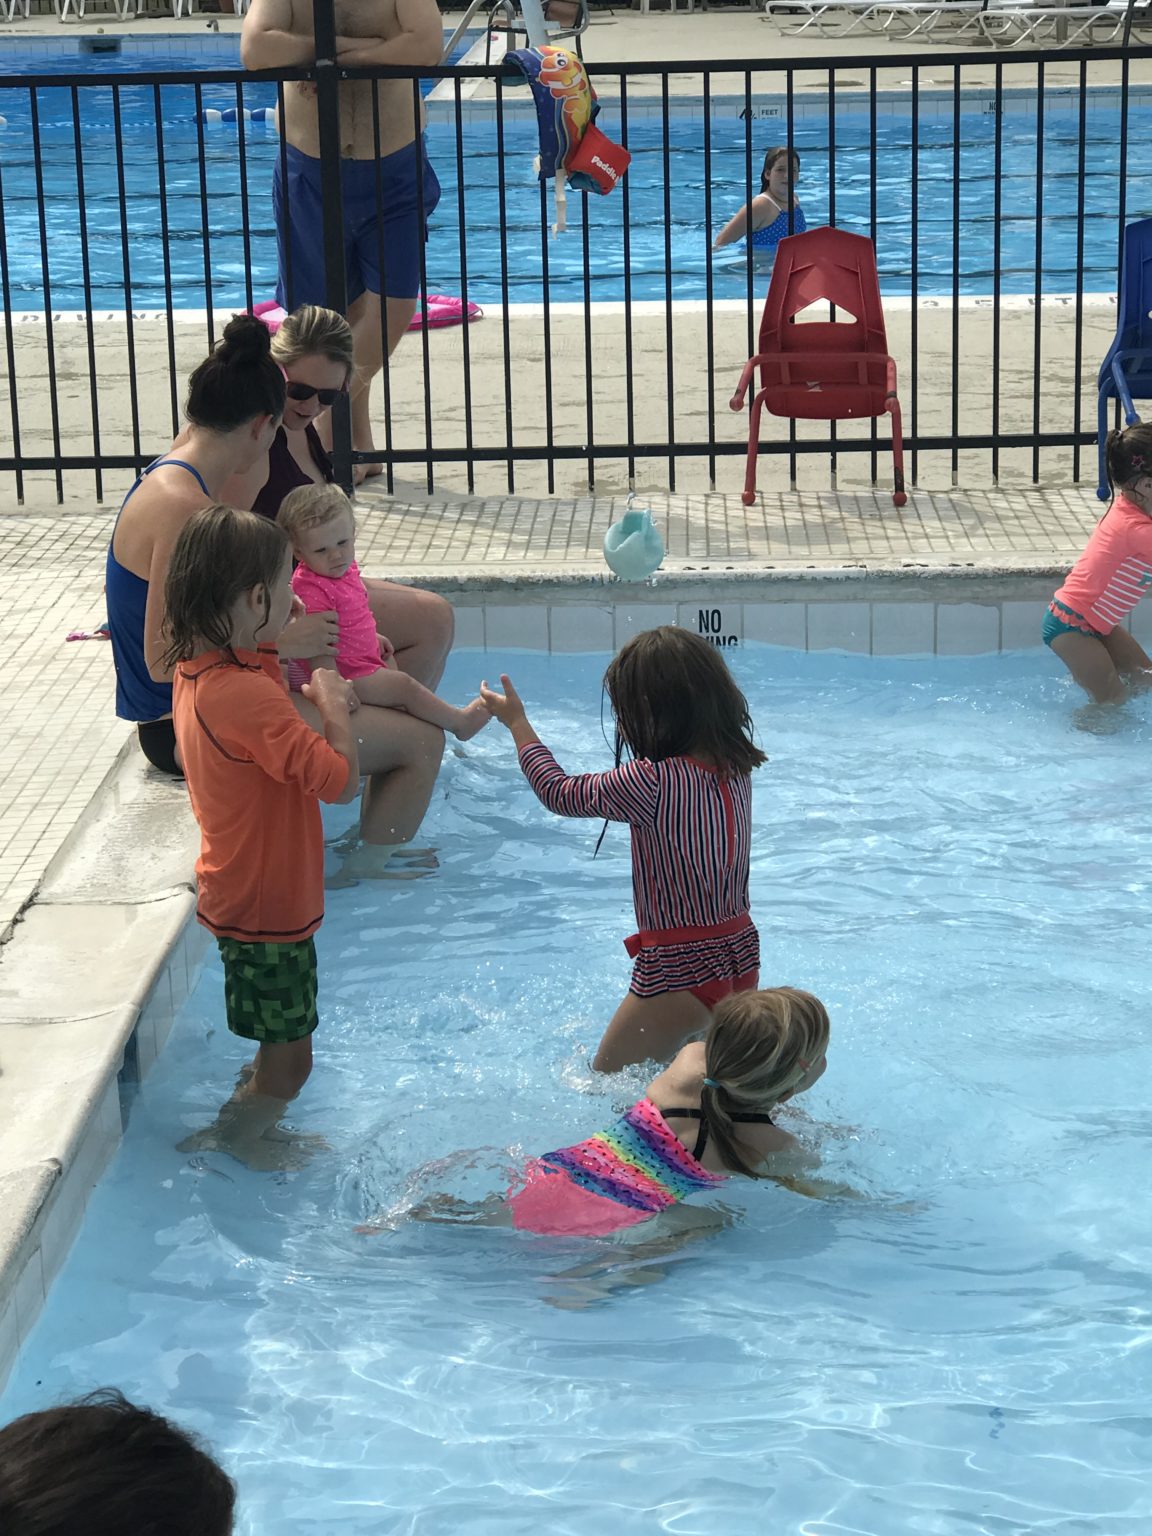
point(270, 990)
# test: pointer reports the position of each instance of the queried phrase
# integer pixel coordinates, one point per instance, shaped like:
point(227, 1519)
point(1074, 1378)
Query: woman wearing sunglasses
point(315, 349)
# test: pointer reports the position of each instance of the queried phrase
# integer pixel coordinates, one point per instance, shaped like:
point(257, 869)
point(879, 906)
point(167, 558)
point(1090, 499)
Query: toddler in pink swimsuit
point(318, 519)
point(1084, 624)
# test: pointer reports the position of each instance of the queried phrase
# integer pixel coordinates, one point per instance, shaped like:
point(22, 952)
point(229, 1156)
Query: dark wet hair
point(672, 694)
point(1128, 455)
point(758, 1049)
point(777, 152)
point(238, 380)
point(220, 555)
point(104, 1467)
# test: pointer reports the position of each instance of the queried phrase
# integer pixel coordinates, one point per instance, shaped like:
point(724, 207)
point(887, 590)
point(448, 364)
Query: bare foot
point(364, 472)
point(475, 718)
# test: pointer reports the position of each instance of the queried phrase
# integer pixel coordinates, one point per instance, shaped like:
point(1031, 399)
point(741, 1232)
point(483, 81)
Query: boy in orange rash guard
point(256, 773)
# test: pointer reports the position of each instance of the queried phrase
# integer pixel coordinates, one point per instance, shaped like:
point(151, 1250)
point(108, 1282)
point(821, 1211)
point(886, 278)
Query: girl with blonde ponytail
point(708, 1115)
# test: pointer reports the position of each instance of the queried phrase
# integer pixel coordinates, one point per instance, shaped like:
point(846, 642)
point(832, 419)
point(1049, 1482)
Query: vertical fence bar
point(506, 331)
point(10, 343)
point(997, 208)
point(166, 257)
point(283, 242)
point(833, 458)
point(1039, 275)
point(589, 402)
point(629, 347)
point(545, 276)
point(750, 264)
point(669, 354)
point(1122, 199)
point(914, 318)
point(709, 296)
point(49, 337)
point(873, 129)
point(422, 296)
point(382, 264)
point(955, 273)
point(790, 142)
point(86, 276)
point(332, 212)
point(245, 223)
point(466, 339)
point(204, 228)
point(126, 257)
point(1078, 354)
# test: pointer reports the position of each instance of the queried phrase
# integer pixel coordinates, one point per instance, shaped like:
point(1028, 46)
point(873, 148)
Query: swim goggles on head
point(326, 397)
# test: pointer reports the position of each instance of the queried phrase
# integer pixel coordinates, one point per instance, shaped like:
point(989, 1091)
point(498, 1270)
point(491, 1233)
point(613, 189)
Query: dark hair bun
point(246, 340)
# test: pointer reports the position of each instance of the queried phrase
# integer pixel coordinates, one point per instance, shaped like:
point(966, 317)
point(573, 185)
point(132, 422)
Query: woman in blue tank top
point(235, 401)
point(773, 213)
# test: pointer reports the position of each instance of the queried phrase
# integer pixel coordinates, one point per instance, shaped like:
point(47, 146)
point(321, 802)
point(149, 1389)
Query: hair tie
point(710, 1082)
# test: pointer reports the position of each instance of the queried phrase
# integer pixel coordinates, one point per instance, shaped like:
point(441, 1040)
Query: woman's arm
point(169, 525)
point(763, 211)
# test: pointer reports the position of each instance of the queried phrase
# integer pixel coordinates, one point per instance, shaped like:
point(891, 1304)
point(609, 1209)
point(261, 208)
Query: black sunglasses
point(305, 392)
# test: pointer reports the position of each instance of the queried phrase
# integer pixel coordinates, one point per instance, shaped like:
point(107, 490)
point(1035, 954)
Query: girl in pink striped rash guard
point(686, 793)
point(1084, 624)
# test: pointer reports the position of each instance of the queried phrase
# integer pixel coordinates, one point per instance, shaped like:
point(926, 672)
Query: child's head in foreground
point(319, 521)
point(761, 1048)
point(103, 1467)
point(229, 577)
point(673, 696)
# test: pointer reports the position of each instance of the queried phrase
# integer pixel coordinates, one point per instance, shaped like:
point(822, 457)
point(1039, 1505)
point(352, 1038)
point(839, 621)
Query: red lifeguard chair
point(822, 370)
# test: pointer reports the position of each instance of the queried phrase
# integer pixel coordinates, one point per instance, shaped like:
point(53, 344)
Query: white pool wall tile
point(840, 627)
point(903, 629)
point(967, 629)
point(632, 618)
point(721, 622)
point(1020, 624)
point(882, 627)
point(516, 627)
point(576, 627)
point(469, 629)
point(783, 624)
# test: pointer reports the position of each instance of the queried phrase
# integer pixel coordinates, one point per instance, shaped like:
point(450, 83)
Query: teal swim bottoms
point(1061, 620)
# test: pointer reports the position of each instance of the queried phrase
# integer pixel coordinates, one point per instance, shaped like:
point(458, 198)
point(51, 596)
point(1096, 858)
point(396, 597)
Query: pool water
point(667, 249)
point(962, 875)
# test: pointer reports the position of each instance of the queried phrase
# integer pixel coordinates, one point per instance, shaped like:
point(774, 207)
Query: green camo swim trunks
point(270, 990)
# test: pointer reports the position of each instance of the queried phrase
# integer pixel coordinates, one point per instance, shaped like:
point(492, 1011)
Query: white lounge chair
point(1019, 23)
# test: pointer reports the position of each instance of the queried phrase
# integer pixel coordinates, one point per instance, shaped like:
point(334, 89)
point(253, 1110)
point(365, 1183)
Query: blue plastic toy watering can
point(633, 547)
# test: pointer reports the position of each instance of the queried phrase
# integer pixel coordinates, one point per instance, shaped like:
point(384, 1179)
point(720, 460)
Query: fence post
point(335, 273)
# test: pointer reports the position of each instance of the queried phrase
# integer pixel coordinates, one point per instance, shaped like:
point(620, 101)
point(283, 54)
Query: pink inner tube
point(443, 309)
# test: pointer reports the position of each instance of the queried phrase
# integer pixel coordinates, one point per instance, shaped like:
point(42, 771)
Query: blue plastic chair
point(1126, 371)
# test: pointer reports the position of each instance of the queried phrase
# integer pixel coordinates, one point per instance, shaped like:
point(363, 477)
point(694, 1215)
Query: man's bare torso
point(400, 123)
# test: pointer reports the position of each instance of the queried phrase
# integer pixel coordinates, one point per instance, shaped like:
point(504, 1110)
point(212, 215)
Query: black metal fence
point(136, 213)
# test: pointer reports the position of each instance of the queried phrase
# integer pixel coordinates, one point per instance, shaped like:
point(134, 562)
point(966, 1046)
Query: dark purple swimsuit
point(284, 474)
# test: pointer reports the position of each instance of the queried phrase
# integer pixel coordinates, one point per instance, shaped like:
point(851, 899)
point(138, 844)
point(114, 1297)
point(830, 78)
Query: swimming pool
point(939, 854)
point(666, 257)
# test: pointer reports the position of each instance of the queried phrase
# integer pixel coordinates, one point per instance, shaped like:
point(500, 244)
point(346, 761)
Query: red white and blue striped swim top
point(691, 846)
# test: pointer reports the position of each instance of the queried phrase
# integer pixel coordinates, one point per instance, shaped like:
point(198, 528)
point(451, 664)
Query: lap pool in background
point(963, 876)
point(653, 231)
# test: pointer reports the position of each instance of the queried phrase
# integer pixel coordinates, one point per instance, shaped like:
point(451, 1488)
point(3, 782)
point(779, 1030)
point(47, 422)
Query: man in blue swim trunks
point(387, 200)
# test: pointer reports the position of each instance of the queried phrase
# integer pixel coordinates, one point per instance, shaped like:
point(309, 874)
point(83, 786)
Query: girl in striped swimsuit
point(686, 793)
point(1084, 623)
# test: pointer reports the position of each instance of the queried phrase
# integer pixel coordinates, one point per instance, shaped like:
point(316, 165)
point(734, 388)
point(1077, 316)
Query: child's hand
point(330, 693)
point(507, 706)
point(387, 649)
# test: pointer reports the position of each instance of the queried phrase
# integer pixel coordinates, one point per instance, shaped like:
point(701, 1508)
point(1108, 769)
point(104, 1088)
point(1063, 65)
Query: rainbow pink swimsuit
point(1112, 574)
point(614, 1179)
